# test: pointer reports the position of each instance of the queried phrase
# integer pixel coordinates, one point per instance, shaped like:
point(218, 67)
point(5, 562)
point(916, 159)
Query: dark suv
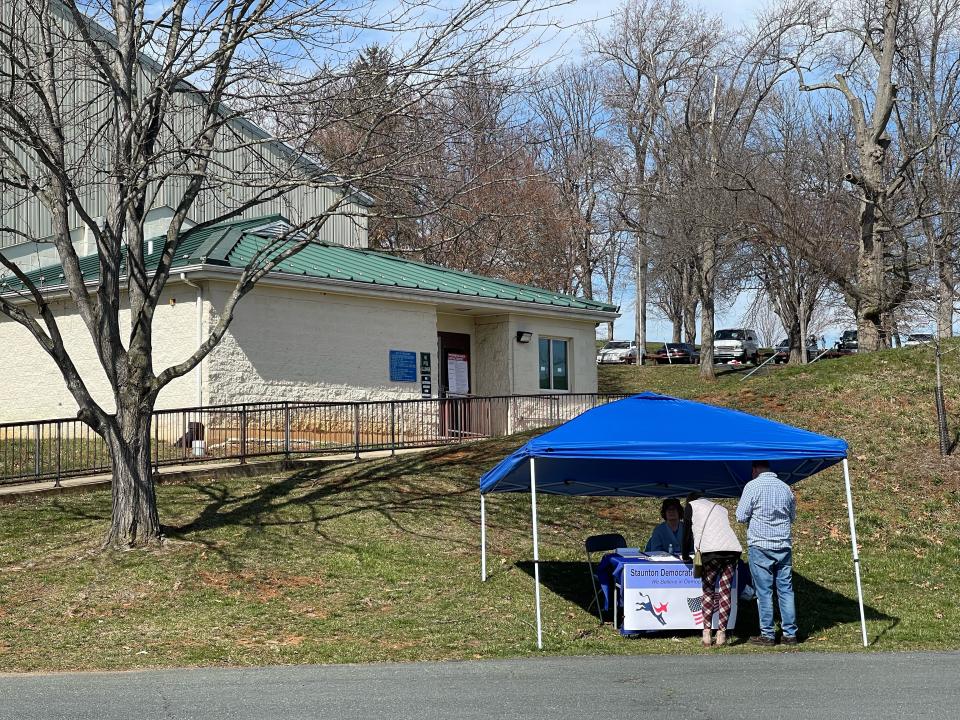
point(782, 351)
point(848, 342)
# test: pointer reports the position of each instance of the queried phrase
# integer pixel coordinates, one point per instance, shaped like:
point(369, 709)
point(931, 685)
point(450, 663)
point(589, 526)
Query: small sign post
point(426, 381)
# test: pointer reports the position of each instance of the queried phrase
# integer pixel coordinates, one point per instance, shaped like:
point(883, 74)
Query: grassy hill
point(379, 560)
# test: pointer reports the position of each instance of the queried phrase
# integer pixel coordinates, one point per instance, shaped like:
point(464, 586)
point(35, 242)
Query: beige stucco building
point(333, 324)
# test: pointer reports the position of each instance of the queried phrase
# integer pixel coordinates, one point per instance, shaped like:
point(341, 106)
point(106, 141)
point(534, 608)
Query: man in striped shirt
point(768, 505)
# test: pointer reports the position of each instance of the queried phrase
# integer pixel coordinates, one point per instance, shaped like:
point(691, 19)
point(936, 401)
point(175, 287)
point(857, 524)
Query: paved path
point(768, 685)
point(12, 492)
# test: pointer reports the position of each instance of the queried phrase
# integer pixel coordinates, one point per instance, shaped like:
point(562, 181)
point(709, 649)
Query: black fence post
point(286, 429)
point(186, 441)
point(356, 431)
point(156, 444)
point(243, 434)
point(461, 416)
point(37, 449)
point(393, 428)
point(56, 481)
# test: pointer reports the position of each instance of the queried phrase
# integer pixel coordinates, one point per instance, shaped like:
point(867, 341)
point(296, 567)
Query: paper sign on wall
point(458, 373)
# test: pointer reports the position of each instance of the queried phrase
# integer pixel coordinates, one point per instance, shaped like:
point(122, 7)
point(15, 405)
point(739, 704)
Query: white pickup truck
point(738, 344)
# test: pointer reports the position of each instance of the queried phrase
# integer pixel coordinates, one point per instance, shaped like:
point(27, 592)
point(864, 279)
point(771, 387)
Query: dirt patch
point(257, 586)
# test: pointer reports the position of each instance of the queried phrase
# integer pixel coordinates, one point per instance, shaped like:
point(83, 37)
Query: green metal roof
point(234, 244)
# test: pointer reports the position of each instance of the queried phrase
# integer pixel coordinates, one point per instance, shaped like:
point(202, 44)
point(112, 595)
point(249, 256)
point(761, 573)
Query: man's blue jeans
point(769, 568)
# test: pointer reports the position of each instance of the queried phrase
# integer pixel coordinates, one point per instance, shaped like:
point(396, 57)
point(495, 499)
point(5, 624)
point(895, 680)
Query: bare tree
point(796, 212)
point(720, 112)
point(763, 317)
point(578, 158)
point(613, 258)
point(494, 208)
point(860, 57)
point(927, 117)
point(650, 56)
point(107, 107)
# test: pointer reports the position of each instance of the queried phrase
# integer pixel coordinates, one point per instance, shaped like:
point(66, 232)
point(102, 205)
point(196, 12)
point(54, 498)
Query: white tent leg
point(483, 539)
point(856, 554)
point(536, 550)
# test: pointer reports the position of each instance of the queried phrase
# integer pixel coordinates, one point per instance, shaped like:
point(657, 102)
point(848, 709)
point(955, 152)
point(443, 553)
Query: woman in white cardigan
point(707, 529)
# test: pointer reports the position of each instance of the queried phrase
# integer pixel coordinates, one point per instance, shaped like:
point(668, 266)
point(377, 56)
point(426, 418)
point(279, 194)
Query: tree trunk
point(870, 271)
point(869, 330)
point(706, 277)
point(802, 319)
point(677, 334)
point(586, 267)
point(942, 430)
point(689, 294)
point(795, 336)
point(641, 299)
point(945, 300)
point(135, 521)
point(890, 330)
point(706, 339)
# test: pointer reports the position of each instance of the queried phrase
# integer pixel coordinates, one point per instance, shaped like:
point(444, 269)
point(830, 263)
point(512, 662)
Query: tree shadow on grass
point(818, 608)
point(397, 489)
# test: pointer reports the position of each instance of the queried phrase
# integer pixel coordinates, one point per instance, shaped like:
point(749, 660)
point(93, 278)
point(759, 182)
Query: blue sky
point(584, 11)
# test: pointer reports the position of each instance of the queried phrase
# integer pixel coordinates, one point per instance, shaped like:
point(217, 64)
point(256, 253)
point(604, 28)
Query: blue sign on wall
point(403, 366)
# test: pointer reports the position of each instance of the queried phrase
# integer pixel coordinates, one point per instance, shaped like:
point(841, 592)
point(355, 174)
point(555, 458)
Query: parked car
point(918, 339)
point(619, 352)
point(848, 342)
point(680, 353)
point(738, 344)
point(782, 351)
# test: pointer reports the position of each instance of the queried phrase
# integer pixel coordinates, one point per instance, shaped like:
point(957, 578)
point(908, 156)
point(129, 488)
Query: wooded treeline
point(810, 156)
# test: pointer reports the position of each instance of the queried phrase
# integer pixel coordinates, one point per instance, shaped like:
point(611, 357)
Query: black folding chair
point(601, 544)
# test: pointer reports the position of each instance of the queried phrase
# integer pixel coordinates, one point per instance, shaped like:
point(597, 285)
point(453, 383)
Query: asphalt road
point(771, 685)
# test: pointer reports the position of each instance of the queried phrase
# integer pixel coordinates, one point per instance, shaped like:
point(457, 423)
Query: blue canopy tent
point(652, 445)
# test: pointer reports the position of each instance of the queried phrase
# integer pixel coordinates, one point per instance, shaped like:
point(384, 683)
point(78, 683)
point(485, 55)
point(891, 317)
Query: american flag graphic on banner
point(696, 607)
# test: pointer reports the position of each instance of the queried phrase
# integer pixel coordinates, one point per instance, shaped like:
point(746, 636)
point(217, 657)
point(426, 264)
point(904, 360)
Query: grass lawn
point(379, 560)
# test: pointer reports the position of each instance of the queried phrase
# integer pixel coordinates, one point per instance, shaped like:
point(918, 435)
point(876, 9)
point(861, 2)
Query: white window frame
point(569, 344)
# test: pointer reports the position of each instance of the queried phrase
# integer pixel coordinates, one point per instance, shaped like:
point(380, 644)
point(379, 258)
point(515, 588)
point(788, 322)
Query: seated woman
point(668, 535)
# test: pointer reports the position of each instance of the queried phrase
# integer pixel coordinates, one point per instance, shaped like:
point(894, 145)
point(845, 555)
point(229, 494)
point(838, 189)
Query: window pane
point(559, 363)
point(544, 364)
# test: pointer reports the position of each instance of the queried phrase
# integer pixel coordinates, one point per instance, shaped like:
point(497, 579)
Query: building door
point(454, 355)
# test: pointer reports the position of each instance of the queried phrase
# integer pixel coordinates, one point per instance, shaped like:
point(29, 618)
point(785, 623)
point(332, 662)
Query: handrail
point(65, 447)
point(772, 357)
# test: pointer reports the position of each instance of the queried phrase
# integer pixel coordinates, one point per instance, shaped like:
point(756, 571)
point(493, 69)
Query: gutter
point(429, 297)
point(426, 297)
point(199, 367)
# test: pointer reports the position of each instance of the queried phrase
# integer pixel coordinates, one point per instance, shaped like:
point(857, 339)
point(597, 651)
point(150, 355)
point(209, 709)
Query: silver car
point(618, 352)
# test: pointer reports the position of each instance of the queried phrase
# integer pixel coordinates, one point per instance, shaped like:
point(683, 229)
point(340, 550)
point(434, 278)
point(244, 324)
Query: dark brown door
point(454, 354)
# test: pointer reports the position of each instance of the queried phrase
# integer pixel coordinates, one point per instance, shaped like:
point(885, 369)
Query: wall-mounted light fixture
point(523, 336)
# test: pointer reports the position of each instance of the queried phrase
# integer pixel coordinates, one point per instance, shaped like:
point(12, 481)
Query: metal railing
point(62, 448)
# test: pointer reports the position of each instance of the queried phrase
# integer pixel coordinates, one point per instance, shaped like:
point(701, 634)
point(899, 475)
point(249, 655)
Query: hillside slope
point(379, 560)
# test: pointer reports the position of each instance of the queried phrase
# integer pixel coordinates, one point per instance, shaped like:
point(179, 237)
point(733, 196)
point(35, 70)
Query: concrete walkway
point(759, 686)
point(190, 471)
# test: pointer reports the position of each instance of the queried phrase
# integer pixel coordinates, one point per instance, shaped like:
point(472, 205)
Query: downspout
point(199, 368)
